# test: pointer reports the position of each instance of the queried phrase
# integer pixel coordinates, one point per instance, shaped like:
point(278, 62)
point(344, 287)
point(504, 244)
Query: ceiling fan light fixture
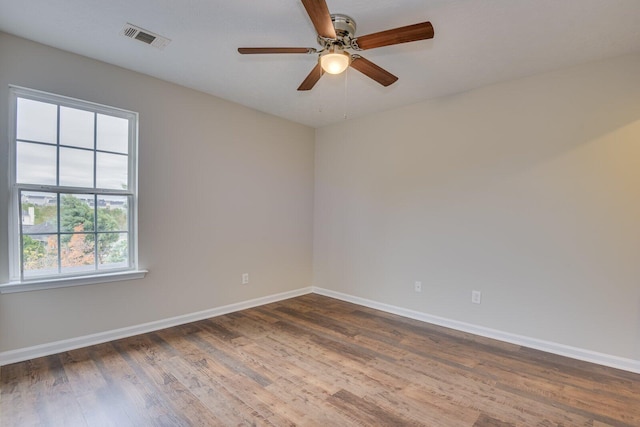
point(337, 35)
point(335, 61)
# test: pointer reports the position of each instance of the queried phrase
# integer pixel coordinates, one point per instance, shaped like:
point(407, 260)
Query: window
point(73, 184)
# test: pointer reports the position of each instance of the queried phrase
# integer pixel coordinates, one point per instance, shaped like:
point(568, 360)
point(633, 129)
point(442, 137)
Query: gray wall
point(223, 190)
point(528, 191)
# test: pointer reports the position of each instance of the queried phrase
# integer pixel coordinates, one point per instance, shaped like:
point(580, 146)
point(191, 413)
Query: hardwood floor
point(314, 361)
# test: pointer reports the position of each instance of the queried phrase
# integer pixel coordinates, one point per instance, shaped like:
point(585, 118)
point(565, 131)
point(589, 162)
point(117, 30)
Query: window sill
point(36, 285)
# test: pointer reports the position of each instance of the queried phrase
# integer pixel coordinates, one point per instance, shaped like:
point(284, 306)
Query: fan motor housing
point(345, 25)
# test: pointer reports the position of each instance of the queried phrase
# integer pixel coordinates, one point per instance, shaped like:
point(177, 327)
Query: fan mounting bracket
point(345, 27)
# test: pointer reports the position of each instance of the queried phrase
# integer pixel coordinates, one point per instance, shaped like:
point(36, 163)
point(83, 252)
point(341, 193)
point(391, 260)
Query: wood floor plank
point(228, 409)
point(91, 390)
point(314, 361)
point(18, 393)
point(214, 385)
point(54, 398)
point(228, 377)
point(145, 359)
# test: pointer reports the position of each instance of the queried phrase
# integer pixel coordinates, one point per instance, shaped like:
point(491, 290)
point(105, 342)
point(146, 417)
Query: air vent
point(137, 33)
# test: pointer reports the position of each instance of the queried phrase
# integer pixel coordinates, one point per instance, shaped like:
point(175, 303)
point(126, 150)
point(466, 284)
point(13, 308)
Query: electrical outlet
point(245, 278)
point(417, 286)
point(476, 297)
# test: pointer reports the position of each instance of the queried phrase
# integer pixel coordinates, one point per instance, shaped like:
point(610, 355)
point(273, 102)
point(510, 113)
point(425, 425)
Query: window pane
point(113, 250)
point(113, 134)
point(77, 252)
point(37, 121)
point(112, 171)
point(76, 127)
point(39, 255)
point(38, 212)
point(76, 213)
point(35, 164)
point(112, 213)
point(76, 167)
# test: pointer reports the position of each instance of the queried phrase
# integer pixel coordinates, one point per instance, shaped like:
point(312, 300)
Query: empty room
point(320, 213)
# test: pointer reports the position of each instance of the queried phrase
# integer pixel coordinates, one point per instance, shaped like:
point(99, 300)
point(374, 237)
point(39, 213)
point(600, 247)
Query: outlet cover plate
point(476, 297)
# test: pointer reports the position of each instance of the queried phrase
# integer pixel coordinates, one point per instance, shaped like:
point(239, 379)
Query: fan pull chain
point(346, 75)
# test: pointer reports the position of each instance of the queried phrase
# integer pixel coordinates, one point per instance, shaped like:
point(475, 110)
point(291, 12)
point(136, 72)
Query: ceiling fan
point(336, 35)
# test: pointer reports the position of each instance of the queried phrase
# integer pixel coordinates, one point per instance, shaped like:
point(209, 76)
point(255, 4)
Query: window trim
point(16, 282)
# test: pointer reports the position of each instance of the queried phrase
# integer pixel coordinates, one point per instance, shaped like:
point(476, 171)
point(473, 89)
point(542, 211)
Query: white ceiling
point(477, 42)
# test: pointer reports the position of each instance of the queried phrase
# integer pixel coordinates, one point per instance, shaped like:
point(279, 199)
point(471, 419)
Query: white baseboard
point(547, 346)
point(22, 354)
point(19, 355)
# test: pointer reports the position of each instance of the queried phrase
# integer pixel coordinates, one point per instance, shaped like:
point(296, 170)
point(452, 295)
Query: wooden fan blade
point(261, 50)
point(371, 70)
point(410, 33)
point(312, 78)
point(319, 14)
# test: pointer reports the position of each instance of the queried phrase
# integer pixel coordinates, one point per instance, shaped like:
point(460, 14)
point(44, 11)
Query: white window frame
point(17, 283)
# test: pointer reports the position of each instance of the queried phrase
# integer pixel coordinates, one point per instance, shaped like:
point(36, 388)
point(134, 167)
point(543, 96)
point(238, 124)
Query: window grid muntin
point(16, 237)
point(58, 148)
point(70, 146)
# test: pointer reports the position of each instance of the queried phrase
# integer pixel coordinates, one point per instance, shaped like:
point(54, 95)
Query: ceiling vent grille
point(140, 34)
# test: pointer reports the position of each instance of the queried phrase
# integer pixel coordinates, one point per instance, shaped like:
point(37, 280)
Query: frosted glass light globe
point(335, 62)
